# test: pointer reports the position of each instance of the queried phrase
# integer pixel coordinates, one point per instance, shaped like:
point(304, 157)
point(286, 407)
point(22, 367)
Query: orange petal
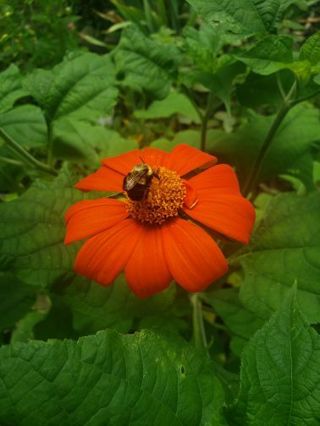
point(147, 272)
point(193, 258)
point(123, 163)
point(230, 215)
point(185, 158)
point(218, 179)
point(154, 156)
point(103, 179)
point(88, 217)
point(105, 255)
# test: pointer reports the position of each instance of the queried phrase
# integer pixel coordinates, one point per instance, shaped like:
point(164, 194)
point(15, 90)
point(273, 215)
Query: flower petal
point(89, 217)
point(123, 163)
point(217, 179)
point(147, 272)
point(230, 215)
point(105, 255)
point(185, 158)
point(103, 179)
point(154, 156)
point(193, 258)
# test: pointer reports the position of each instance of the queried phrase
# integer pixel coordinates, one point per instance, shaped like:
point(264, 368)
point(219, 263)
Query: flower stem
point(288, 103)
point(25, 154)
point(204, 124)
point(199, 334)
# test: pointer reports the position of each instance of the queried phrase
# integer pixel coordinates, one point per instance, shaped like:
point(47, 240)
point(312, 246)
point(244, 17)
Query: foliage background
point(82, 80)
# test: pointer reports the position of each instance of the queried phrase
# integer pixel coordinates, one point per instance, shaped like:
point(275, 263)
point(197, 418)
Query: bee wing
point(132, 179)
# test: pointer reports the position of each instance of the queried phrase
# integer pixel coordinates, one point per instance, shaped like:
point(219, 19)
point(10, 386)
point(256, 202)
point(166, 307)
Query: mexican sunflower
point(164, 236)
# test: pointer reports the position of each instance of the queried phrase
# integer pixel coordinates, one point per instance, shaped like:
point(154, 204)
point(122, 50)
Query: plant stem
point(204, 124)
point(288, 103)
point(199, 335)
point(25, 154)
point(147, 13)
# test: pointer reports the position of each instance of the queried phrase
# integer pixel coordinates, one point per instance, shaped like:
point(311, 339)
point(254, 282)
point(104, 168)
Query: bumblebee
point(137, 183)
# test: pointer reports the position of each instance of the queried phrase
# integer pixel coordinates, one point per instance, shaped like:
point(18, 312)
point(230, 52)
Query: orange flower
point(160, 237)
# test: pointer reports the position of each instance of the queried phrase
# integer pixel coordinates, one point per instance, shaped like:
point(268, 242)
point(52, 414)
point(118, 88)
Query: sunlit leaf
point(244, 17)
point(145, 64)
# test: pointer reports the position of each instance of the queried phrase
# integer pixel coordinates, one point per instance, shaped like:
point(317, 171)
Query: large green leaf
point(280, 373)
point(145, 64)
point(244, 17)
point(32, 232)
point(81, 87)
point(26, 125)
point(10, 87)
point(295, 139)
point(174, 103)
point(138, 379)
point(285, 249)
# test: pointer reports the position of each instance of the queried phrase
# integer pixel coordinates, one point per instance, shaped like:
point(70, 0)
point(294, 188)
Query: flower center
point(164, 198)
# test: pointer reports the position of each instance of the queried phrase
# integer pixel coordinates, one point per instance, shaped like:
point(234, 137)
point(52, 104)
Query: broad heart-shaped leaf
point(139, 379)
point(10, 87)
point(297, 136)
point(26, 125)
point(243, 17)
point(32, 232)
point(174, 103)
point(285, 249)
point(145, 64)
point(81, 87)
point(280, 373)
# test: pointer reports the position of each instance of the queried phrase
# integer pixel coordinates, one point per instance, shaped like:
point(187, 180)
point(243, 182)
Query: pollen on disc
point(164, 199)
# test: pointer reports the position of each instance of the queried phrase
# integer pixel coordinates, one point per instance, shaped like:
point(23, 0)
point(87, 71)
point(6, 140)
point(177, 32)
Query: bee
point(138, 181)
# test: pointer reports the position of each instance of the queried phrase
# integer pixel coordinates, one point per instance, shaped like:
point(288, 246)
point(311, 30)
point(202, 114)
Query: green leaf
point(26, 125)
point(82, 87)
point(260, 90)
point(145, 64)
point(241, 322)
point(310, 49)
point(94, 307)
point(174, 103)
point(79, 140)
point(15, 300)
point(32, 232)
point(280, 373)
point(269, 55)
point(297, 136)
point(243, 17)
point(121, 380)
point(285, 249)
point(10, 87)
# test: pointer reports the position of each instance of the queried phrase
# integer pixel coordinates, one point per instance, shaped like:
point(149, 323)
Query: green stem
point(25, 154)
point(257, 166)
point(147, 13)
point(204, 124)
point(10, 161)
point(199, 334)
